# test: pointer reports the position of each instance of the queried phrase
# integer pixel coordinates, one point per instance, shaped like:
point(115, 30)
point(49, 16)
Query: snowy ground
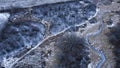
point(32, 36)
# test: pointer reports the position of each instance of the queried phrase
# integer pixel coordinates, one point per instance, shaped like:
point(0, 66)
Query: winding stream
point(100, 53)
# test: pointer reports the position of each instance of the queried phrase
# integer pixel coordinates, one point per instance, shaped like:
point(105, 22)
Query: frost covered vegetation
point(114, 38)
point(73, 52)
point(26, 28)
